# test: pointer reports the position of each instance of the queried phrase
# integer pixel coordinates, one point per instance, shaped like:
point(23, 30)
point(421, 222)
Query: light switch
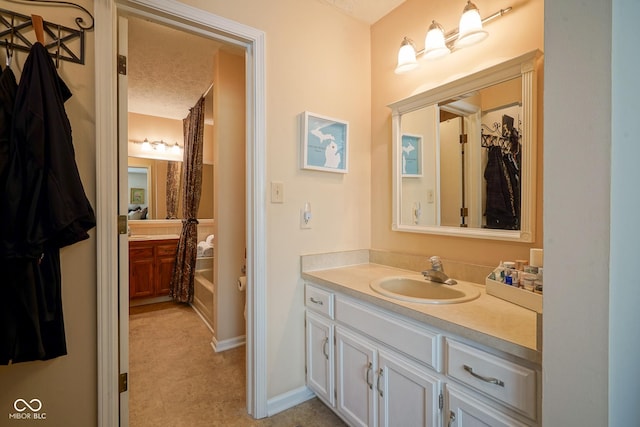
point(277, 192)
point(429, 196)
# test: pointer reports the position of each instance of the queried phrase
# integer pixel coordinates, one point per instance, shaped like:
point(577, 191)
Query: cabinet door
point(466, 411)
point(356, 366)
point(407, 394)
point(141, 272)
point(320, 358)
point(165, 260)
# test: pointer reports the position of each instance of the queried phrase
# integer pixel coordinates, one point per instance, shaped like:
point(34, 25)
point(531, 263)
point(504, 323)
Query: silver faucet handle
point(436, 263)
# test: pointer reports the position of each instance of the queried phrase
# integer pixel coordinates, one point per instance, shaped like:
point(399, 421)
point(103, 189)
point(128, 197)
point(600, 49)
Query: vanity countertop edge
point(486, 320)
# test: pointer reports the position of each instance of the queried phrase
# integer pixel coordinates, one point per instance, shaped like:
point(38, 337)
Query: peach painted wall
point(317, 59)
point(518, 32)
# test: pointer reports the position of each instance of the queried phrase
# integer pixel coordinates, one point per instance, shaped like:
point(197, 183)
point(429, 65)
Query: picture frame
point(411, 155)
point(325, 143)
point(137, 196)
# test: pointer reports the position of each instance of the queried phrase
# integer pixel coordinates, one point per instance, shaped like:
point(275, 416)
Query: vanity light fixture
point(438, 44)
point(159, 146)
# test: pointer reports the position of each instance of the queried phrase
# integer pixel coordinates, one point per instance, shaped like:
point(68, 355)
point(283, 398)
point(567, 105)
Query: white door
point(355, 378)
point(407, 394)
point(123, 244)
point(320, 371)
point(466, 411)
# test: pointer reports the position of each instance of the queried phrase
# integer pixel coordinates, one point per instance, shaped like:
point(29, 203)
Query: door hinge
point(123, 382)
point(463, 138)
point(122, 65)
point(122, 224)
point(464, 211)
point(441, 401)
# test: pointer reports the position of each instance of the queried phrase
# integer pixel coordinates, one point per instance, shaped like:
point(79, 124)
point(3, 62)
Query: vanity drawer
point(510, 383)
point(411, 339)
point(318, 300)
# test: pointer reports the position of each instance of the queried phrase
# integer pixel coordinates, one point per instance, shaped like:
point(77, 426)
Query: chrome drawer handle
point(324, 348)
point(369, 370)
point(485, 379)
point(315, 301)
point(380, 374)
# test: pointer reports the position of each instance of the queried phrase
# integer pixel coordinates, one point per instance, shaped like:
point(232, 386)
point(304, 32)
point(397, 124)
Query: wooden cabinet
point(150, 267)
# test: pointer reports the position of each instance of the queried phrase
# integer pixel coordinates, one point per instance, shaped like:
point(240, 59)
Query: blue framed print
point(324, 143)
point(411, 155)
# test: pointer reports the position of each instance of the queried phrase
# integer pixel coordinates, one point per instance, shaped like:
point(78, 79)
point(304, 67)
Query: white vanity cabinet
point(484, 375)
point(378, 387)
point(320, 360)
point(374, 367)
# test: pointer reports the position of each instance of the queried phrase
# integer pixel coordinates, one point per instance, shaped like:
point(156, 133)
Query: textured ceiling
point(368, 11)
point(169, 69)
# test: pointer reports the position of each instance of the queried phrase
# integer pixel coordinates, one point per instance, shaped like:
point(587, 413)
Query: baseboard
point(223, 345)
point(289, 400)
point(202, 316)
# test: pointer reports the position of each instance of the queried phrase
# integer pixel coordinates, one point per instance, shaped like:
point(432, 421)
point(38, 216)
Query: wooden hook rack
point(64, 43)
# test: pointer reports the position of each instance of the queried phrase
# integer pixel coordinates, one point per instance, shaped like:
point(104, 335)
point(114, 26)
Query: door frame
point(108, 239)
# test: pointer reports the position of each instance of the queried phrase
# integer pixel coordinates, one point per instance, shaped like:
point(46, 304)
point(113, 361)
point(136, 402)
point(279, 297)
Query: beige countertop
point(145, 237)
point(486, 320)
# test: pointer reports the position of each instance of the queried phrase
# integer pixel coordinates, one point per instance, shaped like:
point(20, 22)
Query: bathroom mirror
point(464, 155)
point(156, 172)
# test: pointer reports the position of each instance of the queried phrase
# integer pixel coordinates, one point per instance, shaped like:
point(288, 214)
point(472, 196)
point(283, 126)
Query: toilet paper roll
point(242, 283)
point(536, 257)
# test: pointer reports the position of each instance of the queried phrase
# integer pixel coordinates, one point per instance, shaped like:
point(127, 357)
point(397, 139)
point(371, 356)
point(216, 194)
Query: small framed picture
point(411, 155)
point(137, 196)
point(324, 143)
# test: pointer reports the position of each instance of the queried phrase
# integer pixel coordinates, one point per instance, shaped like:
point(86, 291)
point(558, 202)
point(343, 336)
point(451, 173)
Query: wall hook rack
point(65, 43)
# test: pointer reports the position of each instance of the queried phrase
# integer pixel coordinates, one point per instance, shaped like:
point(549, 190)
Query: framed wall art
point(324, 143)
point(137, 196)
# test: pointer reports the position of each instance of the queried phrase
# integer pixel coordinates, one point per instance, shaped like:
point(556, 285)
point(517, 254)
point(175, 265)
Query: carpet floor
point(177, 380)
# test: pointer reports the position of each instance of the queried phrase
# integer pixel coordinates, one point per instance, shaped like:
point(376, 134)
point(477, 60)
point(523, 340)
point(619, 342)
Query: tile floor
point(176, 380)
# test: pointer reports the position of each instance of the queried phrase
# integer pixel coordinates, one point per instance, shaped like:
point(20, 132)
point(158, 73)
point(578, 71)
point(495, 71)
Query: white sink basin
point(415, 288)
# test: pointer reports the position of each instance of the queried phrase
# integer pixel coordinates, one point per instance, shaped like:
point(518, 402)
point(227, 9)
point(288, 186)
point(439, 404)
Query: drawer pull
point(485, 379)
point(369, 383)
point(315, 301)
point(380, 373)
point(324, 347)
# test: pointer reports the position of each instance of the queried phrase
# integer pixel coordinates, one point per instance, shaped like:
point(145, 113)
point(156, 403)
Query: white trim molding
point(207, 24)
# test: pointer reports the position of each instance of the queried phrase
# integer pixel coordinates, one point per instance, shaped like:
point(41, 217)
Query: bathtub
point(203, 290)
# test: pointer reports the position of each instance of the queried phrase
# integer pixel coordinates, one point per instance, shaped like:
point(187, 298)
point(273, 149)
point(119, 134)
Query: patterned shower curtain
point(173, 183)
point(184, 269)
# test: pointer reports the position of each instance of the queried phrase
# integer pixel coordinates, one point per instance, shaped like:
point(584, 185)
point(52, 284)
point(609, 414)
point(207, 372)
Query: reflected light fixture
point(438, 44)
point(159, 146)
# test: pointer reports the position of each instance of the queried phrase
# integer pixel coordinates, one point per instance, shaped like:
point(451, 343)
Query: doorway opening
point(112, 250)
point(168, 71)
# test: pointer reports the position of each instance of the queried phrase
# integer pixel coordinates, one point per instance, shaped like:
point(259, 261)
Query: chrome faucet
point(436, 273)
